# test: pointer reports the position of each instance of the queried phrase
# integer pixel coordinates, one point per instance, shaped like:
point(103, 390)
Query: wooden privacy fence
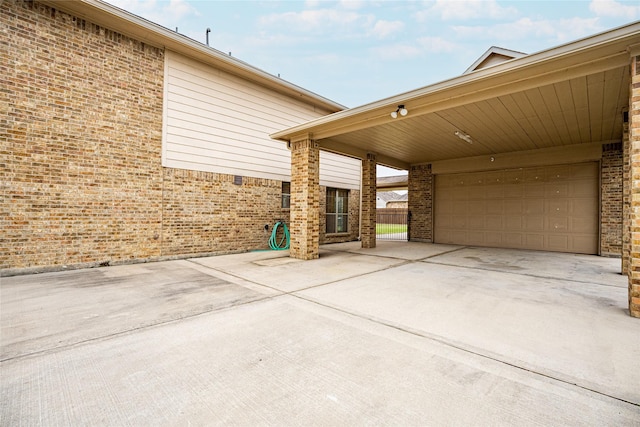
point(392, 223)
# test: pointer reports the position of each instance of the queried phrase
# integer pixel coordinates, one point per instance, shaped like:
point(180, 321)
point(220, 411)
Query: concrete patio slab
point(577, 332)
point(51, 310)
point(287, 275)
point(575, 267)
point(353, 338)
point(286, 362)
point(394, 249)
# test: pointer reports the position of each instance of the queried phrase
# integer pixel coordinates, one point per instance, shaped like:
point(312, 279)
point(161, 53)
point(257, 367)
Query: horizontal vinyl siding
point(216, 122)
point(339, 171)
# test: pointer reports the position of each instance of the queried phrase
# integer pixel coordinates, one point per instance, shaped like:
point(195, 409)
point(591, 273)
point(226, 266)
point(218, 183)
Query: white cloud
point(396, 52)
point(383, 29)
point(325, 20)
point(612, 8)
point(351, 4)
point(466, 9)
point(559, 31)
point(163, 13)
point(436, 45)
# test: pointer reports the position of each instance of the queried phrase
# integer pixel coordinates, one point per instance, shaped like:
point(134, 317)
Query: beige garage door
point(552, 208)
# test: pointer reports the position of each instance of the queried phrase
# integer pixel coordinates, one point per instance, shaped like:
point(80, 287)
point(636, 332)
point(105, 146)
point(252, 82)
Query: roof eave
point(516, 68)
point(128, 24)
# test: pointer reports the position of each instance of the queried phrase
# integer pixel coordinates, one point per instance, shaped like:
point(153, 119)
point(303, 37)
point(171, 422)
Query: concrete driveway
point(404, 334)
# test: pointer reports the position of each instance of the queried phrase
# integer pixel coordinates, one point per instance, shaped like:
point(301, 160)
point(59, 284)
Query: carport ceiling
point(573, 94)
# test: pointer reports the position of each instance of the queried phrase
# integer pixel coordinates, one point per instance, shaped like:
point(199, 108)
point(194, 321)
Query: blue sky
point(355, 52)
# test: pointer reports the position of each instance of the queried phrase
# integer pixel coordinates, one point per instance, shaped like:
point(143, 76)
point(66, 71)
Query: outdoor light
point(403, 111)
point(463, 136)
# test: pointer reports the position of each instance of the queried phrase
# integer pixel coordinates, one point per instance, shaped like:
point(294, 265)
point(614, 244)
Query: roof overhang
point(571, 94)
point(128, 24)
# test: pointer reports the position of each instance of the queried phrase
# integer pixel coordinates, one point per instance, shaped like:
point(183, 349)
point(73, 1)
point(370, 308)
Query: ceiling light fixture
point(403, 111)
point(463, 136)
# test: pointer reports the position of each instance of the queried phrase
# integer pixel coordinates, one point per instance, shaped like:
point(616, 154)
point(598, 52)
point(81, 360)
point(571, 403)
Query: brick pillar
point(634, 143)
point(626, 195)
point(305, 200)
point(368, 228)
point(420, 203)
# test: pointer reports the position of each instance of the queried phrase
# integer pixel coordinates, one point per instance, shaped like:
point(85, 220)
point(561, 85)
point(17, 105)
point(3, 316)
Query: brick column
point(634, 143)
point(420, 203)
point(305, 200)
point(368, 227)
point(626, 195)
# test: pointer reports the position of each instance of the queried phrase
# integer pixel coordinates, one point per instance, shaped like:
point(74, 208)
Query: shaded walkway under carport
point(403, 334)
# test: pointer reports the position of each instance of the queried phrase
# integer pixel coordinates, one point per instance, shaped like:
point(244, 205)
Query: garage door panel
point(583, 225)
point(514, 191)
point(513, 207)
point(476, 222)
point(493, 239)
point(558, 242)
point(477, 207)
point(534, 241)
point(545, 208)
point(459, 222)
point(557, 224)
point(581, 188)
point(557, 207)
point(459, 208)
point(556, 190)
point(584, 244)
point(533, 223)
point(534, 191)
point(493, 222)
point(513, 223)
point(534, 175)
point(475, 238)
point(513, 240)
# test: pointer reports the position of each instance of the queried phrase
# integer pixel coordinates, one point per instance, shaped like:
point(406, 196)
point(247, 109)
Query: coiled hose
point(286, 238)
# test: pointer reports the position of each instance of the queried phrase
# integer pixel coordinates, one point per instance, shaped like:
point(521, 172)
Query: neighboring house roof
point(388, 196)
point(554, 99)
point(494, 56)
point(128, 24)
point(398, 182)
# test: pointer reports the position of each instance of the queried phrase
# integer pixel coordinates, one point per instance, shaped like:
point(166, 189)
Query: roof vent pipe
point(208, 31)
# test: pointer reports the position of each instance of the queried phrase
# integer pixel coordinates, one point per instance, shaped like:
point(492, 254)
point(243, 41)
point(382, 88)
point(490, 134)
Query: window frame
point(337, 211)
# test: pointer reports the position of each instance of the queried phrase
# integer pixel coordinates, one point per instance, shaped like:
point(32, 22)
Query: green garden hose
point(286, 238)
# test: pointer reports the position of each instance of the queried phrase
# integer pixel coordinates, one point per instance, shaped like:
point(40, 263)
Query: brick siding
point(80, 133)
point(420, 203)
point(611, 204)
point(305, 200)
point(207, 213)
point(634, 199)
point(81, 145)
point(368, 232)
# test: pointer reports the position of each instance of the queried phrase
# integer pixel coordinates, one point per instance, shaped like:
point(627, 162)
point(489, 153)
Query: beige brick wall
point(80, 140)
point(626, 193)
point(611, 201)
point(80, 137)
point(421, 203)
point(305, 200)
point(207, 213)
point(634, 198)
point(368, 232)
